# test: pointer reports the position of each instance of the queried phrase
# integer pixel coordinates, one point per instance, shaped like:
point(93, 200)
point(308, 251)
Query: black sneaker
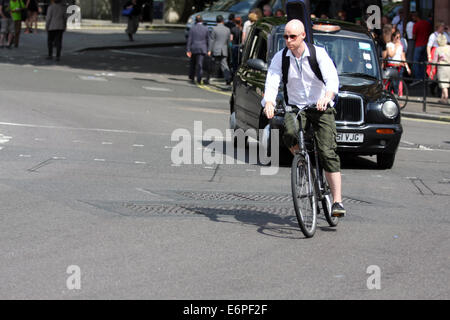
point(337, 210)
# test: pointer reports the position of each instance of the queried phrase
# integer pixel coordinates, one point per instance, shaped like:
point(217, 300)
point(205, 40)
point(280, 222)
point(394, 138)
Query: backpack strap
point(312, 59)
point(285, 62)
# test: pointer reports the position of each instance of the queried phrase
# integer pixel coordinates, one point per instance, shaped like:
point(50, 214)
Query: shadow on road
point(267, 223)
point(150, 54)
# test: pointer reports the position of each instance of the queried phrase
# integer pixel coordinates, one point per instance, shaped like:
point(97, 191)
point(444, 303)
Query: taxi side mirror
point(257, 64)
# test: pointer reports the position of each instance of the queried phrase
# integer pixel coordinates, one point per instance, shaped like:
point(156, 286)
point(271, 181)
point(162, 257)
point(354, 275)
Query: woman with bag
point(17, 6)
point(55, 24)
point(133, 11)
point(442, 56)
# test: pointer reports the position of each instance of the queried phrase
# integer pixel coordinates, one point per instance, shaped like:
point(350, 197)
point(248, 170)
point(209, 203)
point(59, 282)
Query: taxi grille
point(349, 109)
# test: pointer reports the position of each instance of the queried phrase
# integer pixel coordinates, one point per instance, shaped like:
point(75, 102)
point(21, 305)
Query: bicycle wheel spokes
point(304, 196)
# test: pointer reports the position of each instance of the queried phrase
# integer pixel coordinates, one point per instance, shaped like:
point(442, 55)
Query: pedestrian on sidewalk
point(197, 48)
point(7, 24)
point(133, 18)
point(218, 47)
point(410, 39)
point(236, 36)
point(433, 45)
point(442, 56)
point(55, 24)
point(16, 13)
point(253, 16)
point(32, 16)
point(421, 32)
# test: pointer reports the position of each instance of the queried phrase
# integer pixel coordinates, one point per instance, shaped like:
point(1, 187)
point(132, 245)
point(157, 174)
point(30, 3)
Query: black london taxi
point(368, 117)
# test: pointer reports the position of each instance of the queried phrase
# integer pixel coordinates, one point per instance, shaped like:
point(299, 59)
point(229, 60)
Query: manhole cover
point(224, 196)
point(210, 204)
point(136, 209)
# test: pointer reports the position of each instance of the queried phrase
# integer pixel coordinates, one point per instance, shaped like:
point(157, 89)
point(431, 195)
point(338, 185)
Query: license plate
point(350, 137)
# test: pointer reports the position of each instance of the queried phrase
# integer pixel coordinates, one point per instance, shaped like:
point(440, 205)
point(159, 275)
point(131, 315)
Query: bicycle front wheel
point(304, 195)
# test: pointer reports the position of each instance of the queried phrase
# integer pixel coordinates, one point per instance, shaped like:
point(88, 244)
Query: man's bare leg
point(335, 181)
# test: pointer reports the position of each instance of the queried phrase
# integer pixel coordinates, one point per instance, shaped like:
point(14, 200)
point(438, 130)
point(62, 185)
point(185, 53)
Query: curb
point(135, 46)
point(425, 116)
point(113, 26)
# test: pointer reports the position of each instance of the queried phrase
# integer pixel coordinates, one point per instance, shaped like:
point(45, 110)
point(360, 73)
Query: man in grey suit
point(218, 46)
point(197, 47)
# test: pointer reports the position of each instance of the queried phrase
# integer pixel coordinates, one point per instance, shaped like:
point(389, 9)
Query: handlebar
point(294, 108)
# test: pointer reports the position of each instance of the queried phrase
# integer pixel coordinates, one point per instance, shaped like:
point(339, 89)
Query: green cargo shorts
point(325, 133)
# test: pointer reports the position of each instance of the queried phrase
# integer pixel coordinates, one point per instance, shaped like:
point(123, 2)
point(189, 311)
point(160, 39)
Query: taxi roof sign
point(326, 27)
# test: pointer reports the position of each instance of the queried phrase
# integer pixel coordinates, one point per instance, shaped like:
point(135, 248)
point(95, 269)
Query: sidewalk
point(91, 37)
point(433, 111)
point(104, 35)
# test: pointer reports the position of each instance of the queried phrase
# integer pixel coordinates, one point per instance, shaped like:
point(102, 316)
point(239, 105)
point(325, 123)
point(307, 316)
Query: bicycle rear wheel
point(304, 195)
point(401, 93)
point(327, 203)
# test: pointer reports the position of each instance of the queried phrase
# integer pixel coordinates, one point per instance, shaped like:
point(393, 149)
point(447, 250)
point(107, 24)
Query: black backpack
point(312, 59)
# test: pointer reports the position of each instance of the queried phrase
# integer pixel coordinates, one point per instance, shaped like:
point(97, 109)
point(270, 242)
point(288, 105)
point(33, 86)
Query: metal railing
point(425, 80)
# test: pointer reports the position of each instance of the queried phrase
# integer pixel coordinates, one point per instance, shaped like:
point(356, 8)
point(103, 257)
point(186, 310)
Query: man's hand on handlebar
point(322, 104)
point(269, 110)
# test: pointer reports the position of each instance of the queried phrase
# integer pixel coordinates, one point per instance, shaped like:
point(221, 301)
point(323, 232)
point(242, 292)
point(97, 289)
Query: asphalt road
point(87, 179)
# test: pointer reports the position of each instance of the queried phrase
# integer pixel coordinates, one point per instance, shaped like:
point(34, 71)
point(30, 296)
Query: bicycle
point(397, 86)
point(308, 184)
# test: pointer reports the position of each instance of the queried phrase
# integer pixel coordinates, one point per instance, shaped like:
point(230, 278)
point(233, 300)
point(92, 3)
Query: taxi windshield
point(233, 6)
point(352, 56)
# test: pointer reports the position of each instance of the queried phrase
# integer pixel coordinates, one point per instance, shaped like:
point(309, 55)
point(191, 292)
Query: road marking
point(407, 142)
point(423, 148)
point(424, 120)
point(105, 74)
point(142, 54)
point(138, 145)
point(101, 160)
point(25, 125)
point(215, 111)
point(92, 78)
point(183, 99)
point(140, 162)
point(228, 94)
point(107, 143)
point(158, 89)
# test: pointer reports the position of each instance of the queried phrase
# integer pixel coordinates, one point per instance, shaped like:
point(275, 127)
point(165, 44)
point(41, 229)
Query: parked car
point(368, 117)
point(240, 8)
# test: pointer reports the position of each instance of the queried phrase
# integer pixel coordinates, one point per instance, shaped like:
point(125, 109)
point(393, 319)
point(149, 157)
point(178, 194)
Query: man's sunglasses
point(290, 36)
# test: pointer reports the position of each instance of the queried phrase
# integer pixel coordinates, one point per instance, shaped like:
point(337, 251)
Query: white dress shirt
point(432, 40)
point(409, 30)
point(303, 86)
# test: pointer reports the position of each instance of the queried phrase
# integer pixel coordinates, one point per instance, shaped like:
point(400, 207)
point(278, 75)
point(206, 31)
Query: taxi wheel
point(385, 160)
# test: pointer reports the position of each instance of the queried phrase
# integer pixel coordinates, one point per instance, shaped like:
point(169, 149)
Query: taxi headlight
point(390, 109)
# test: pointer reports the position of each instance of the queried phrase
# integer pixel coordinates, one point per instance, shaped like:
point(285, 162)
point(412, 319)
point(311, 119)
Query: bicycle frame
point(303, 150)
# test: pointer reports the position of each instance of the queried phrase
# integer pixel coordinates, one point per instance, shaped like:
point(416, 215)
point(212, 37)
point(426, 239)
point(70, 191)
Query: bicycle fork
point(306, 161)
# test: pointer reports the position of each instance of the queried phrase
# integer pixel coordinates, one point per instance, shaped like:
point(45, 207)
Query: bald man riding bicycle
point(305, 87)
